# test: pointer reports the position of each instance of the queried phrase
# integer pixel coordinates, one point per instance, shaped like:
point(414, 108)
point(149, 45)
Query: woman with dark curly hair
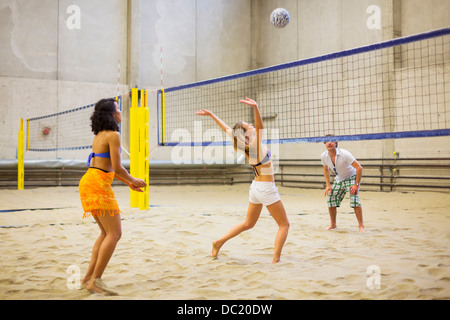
point(96, 194)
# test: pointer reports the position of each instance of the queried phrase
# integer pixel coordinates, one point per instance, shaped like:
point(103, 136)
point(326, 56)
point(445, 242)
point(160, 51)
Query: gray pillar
point(134, 41)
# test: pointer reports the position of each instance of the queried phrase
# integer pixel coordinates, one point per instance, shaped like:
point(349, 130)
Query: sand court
point(179, 73)
point(165, 252)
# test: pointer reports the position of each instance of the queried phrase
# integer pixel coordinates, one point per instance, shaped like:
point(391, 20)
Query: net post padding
point(21, 158)
point(134, 144)
point(139, 147)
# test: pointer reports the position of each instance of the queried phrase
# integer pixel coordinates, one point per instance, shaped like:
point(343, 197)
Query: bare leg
point(113, 232)
point(278, 212)
point(95, 250)
point(333, 212)
point(253, 212)
point(359, 217)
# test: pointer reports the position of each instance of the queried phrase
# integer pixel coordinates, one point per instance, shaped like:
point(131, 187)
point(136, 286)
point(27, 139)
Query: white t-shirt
point(343, 164)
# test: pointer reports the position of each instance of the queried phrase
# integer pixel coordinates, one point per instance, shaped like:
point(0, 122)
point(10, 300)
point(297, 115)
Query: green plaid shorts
point(338, 191)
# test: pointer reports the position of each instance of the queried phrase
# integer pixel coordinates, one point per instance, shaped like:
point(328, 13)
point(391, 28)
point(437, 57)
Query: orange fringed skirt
point(96, 194)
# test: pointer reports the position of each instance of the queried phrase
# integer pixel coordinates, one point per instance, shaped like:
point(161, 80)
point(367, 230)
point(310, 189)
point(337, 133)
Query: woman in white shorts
point(263, 192)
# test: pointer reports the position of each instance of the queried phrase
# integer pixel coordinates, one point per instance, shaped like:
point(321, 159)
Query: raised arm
point(258, 119)
point(222, 125)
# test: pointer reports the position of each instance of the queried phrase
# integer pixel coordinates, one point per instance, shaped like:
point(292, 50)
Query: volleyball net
point(71, 130)
point(62, 131)
point(394, 89)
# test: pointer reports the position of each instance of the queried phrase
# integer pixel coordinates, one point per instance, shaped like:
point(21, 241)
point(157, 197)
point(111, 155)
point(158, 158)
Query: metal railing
point(395, 174)
point(381, 174)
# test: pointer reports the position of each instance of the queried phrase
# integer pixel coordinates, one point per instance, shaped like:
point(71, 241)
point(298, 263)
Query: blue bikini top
point(266, 159)
point(100, 155)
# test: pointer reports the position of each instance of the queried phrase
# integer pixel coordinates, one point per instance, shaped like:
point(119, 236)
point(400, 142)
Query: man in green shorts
point(348, 176)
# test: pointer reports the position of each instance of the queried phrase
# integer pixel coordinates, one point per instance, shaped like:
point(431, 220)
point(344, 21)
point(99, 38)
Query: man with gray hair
point(348, 177)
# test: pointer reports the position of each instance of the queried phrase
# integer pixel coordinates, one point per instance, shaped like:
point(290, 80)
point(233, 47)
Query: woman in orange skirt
point(97, 197)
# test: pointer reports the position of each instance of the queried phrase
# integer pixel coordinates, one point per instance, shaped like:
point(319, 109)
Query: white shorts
point(265, 193)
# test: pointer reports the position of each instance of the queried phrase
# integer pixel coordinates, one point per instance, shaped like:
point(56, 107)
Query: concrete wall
point(316, 28)
point(200, 39)
point(48, 67)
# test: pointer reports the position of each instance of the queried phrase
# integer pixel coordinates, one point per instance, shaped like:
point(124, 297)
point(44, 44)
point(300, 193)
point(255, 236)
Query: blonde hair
point(240, 141)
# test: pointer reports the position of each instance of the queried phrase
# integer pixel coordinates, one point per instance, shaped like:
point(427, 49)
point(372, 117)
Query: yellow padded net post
point(139, 147)
point(134, 145)
point(144, 151)
point(21, 159)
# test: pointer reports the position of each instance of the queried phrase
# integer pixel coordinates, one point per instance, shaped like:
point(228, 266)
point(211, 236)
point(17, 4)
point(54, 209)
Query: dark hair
point(103, 116)
point(331, 140)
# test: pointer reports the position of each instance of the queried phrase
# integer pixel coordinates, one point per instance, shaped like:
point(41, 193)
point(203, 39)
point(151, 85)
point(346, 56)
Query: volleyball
point(280, 17)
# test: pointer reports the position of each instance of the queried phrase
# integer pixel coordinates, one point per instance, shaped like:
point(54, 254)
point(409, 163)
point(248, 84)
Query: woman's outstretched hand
point(203, 112)
point(250, 102)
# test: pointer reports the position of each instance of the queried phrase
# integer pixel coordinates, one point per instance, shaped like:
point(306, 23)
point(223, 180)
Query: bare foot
point(91, 287)
point(97, 286)
point(277, 260)
point(331, 227)
point(85, 280)
point(215, 249)
point(361, 229)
